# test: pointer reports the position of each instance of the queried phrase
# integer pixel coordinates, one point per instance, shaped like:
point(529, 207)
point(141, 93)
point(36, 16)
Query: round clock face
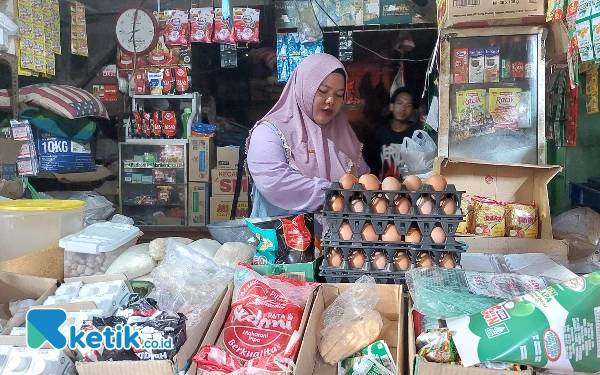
point(146, 31)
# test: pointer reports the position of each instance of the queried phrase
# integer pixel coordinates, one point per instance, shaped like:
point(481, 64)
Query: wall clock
point(146, 31)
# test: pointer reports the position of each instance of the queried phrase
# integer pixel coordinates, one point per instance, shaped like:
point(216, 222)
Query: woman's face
point(329, 98)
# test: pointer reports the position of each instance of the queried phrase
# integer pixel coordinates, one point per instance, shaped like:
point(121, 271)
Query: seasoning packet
point(591, 104)
point(555, 10)
point(488, 217)
point(504, 107)
point(223, 30)
point(246, 23)
point(201, 24)
point(591, 81)
point(466, 207)
point(375, 359)
point(176, 28)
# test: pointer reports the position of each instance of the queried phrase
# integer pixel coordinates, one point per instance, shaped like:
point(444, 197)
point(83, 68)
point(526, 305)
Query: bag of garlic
point(133, 263)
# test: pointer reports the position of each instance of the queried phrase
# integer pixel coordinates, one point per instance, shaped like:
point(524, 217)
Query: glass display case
point(492, 94)
point(153, 182)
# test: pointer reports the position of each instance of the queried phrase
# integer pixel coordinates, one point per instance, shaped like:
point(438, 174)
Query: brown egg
point(447, 261)
point(391, 234)
point(437, 182)
point(424, 260)
point(412, 183)
point(425, 205)
point(337, 203)
point(348, 180)
point(402, 205)
point(357, 259)
point(369, 182)
point(380, 205)
point(390, 184)
point(357, 205)
point(401, 261)
point(368, 233)
point(335, 258)
point(345, 231)
point(448, 206)
point(438, 235)
point(414, 235)
point(379, 260)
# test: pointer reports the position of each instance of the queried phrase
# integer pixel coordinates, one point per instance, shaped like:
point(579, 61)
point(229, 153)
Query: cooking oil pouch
point(267, 244)
point(296, 240)
point(557, 328)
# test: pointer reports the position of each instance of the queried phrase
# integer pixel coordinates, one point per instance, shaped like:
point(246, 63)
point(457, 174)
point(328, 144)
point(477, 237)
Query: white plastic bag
point(206, 247)
point(418, 153)
point(134, 262)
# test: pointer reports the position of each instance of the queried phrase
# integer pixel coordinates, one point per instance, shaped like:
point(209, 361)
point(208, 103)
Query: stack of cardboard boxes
point(223, 181)
point(201, 159)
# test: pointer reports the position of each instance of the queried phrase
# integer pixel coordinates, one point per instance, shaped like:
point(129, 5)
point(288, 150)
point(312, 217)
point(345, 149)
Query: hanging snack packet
point(466, 207)
point(201, 24)
point(155, 81)
point(176, 28)
point(555, 10)
point(223, 29)
point(488, 217)
point(521, 220)
point(265, 317)
point(169, 124)
point(246, 22)
point(267, 247)
point(556, 328)
point(296, 240)
point(156, 123)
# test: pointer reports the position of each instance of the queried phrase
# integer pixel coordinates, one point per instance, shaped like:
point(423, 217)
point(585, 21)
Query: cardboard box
point(195, 337)
point(391, 306)
point(201, 158)
point(18, 287)
point(505, 245)
point(199, 193)
point(220, 208)
point(228, 157)
point(301, 271)
point(223, 182)
point(216, 326)
point(521, 183)
point(483, 13)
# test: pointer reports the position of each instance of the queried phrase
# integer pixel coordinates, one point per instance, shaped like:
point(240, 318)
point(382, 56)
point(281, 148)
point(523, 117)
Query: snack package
point(476, 64)
point(283, 69)
point(488, 217)
point(521, 220)
point(183, 80)
point(504, 107)
point(201, 24)
point(176, 28)
point(147, 124)
point(265, 317)
point(350, 323)
point(164, 194)
point(555, 10)
point(584, 41)
point(223, 29)
point(296, 240)
point(135, 120)
point(155, 81)
point(470, 107)
point(168, 81)
point(169, 124)
point(491, 71)
point(268, 244)
point(461, 65)
point(556, 328)
point(246, 22)
point(375, 359)
point(466, 207)
point(436, 345)
point(156, 125)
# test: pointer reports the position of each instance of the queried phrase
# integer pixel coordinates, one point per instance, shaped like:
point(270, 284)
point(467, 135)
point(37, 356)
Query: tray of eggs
point(413, 198)
point(346, 263)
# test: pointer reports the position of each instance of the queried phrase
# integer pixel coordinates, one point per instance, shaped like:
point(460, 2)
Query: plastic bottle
point(185, 117)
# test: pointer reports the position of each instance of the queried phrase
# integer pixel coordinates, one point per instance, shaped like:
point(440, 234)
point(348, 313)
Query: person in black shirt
point(389, 138)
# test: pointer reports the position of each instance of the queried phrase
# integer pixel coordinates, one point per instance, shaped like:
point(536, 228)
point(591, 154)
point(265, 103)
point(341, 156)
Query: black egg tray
point(351, 276)
point(448, 223)
point(357, 190)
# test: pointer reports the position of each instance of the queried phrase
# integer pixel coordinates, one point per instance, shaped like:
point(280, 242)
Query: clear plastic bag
point(158, 247)
point(418, 153)
point(309, 30)
point(133, 263)
point(188, 282)
point(351, 322)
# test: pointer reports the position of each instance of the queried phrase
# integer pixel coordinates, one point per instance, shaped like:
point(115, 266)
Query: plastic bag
point(418, 153)
point(158, 247)
point(206, 247)
point(133, 263)
point(213, 360)
point(307, 24)
point(232, 253)
point(350, 323)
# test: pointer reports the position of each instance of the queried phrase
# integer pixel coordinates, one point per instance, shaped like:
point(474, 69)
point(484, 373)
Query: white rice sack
point(206, 247)
point(133, 263)
point(158, 247)
point(231, 253)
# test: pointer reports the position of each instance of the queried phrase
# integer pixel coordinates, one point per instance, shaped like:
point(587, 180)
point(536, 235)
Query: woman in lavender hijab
point(304, 143)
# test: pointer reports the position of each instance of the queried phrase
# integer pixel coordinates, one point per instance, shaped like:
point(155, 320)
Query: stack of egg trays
point(357, 220)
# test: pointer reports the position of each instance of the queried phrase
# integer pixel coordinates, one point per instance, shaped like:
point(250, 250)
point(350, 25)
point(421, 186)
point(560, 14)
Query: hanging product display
point(39, 22)
point(246, 23)
point(556, 11)
point(79, 44)
point(223, 29)
point(201, 24)
point(290, 53)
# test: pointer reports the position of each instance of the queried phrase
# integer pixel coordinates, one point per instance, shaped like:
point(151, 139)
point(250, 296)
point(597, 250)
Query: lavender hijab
point(336, 148)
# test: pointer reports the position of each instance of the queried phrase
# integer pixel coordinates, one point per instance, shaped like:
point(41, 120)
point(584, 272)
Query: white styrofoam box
point(17, 331)
point(4, 354)
point(93, 250)
point(19, 361)
point(77, 318)
point(51, 362)
point(107, 295)
point(65, 293)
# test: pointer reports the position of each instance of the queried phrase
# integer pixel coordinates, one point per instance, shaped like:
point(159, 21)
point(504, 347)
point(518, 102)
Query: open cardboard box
point(490, 245)
point(18, 287)
point(503, 182)
point(390, 305)
point(214, 331)
point(195, 337)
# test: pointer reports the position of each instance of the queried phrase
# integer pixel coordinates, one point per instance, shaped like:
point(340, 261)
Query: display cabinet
point(492, 94)
point(153, 182)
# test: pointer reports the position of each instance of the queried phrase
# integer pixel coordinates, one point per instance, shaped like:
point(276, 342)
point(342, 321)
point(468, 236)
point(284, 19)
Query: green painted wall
point(580, 162)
